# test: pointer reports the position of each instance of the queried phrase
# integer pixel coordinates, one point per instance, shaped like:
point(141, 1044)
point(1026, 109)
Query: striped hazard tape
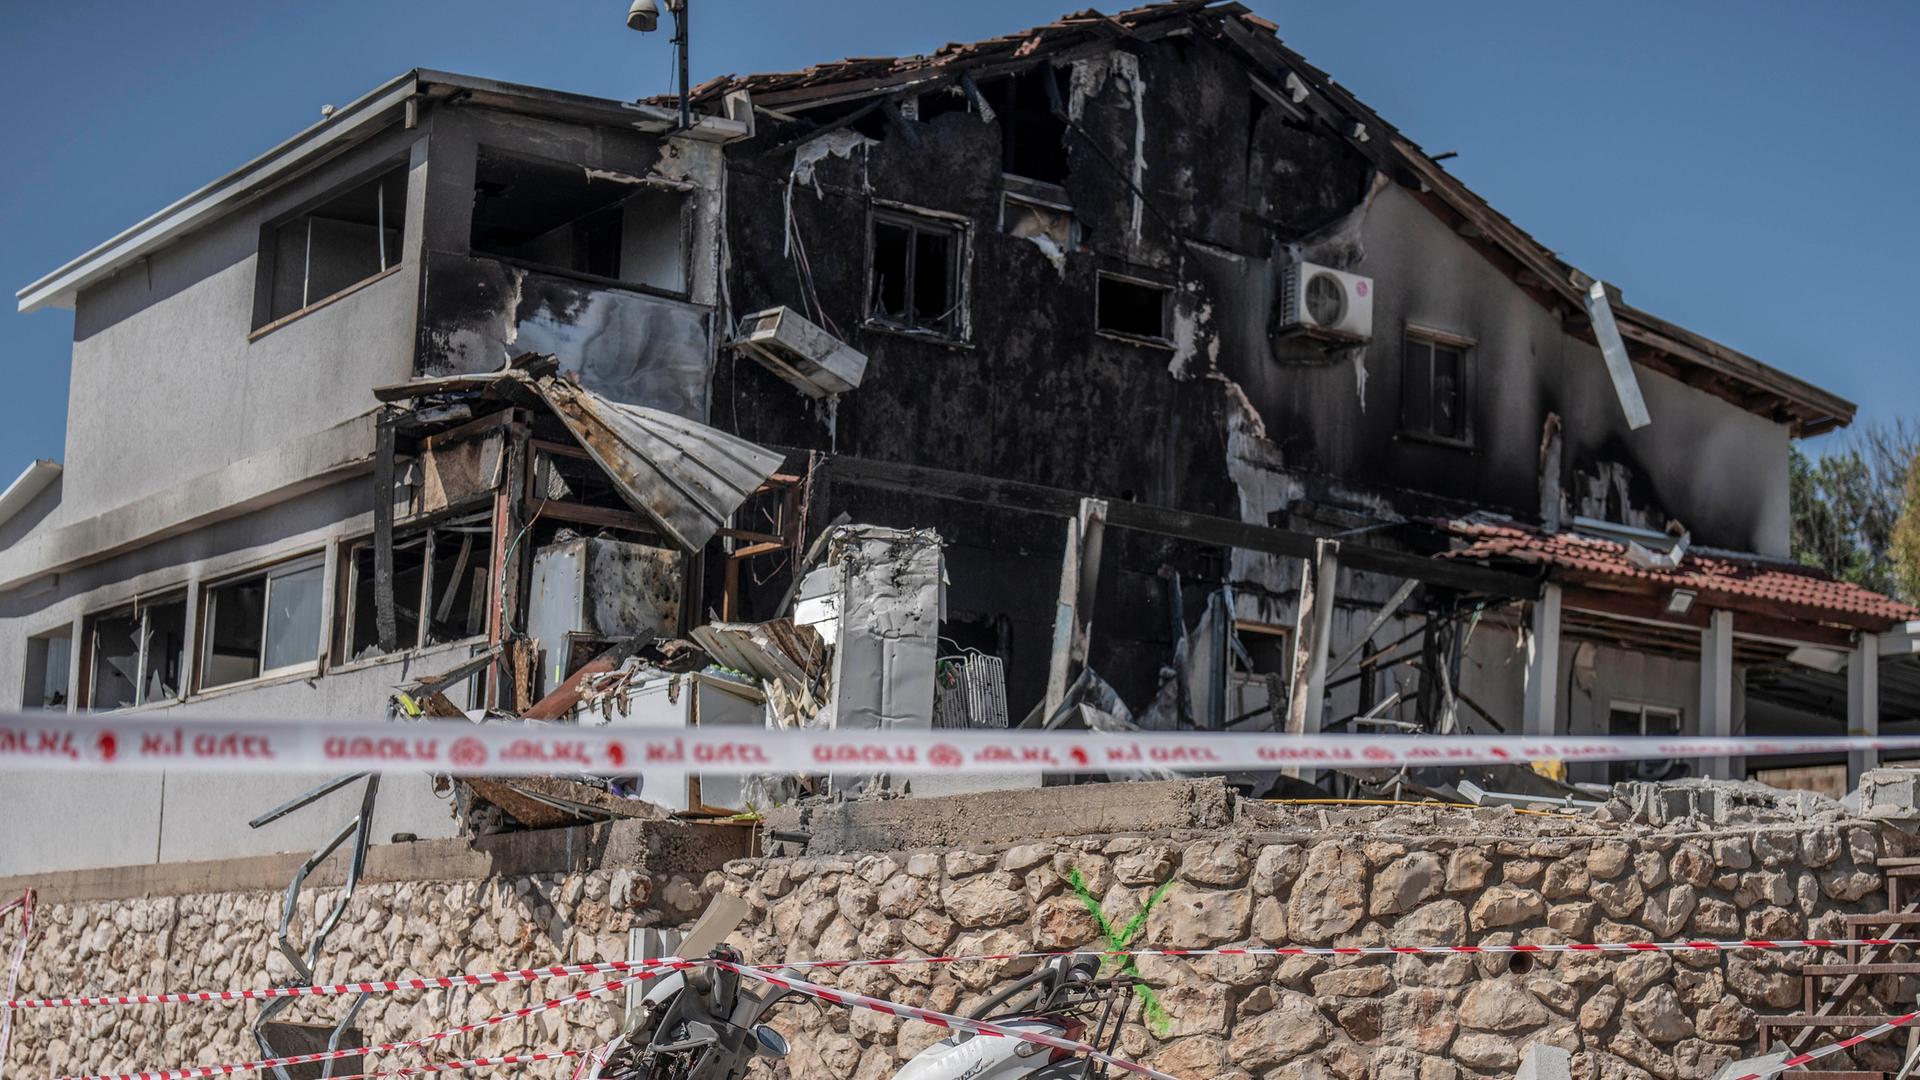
point(644, 968)
point(253, 746)
point(1817, 1053)
point(196, 1071)
point(847, 999)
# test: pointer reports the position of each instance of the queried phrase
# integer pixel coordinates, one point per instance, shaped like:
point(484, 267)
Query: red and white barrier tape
point(377, 1048)
point(619, 967)
point(382, 986)
point(150, 742)
point(1817, 1053)
point(1375, 950)
point(14, 962)
point(471, 1063)
point(938, 1019)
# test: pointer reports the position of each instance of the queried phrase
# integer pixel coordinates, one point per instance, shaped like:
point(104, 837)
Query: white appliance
point(1319, 301)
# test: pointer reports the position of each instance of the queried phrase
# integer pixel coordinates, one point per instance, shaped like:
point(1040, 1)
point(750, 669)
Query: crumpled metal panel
point(683, 476)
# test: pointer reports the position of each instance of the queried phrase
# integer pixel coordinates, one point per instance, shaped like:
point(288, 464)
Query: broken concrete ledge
point(658, 847)
point(1006, 817)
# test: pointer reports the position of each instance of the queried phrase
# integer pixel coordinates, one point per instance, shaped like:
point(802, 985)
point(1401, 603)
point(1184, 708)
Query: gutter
point(25, 487)
point(368, 114)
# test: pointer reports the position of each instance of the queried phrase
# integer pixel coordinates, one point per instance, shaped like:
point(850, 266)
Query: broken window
point(329, 249)
point(1131, 308)
point(915, 269)
point(563, 216)
point(1433, 387)
point(138, 654)
point(439, 586)
point(1042, 213)
point(262, 624)
point(1033, 134)
point(1637, 718)
point(49, 657)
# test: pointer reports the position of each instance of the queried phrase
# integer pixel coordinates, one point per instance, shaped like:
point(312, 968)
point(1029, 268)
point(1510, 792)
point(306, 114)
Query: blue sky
point(1744, 169)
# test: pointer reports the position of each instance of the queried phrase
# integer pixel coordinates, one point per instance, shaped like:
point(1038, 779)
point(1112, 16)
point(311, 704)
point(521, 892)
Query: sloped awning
point(1720, 579)
point(683, 476)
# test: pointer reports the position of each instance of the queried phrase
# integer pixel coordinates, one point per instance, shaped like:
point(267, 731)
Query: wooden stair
point(1823, 1000)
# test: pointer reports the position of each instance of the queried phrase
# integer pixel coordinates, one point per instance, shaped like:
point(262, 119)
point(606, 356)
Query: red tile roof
point(1722, 580)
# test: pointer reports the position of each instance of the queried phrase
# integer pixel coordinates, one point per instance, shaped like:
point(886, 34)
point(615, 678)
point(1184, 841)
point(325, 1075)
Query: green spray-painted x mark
point(1157, 1019)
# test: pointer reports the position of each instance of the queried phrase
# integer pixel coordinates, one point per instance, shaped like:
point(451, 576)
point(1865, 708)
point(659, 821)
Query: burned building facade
point(1229, 407)
point(1161, 261)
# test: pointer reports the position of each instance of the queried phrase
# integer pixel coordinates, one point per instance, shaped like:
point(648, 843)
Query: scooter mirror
point(772, 1043)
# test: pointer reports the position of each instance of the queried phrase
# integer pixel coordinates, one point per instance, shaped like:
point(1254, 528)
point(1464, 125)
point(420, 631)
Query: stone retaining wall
point(392, 930)
point(1393, 876)
point(1399, 1018)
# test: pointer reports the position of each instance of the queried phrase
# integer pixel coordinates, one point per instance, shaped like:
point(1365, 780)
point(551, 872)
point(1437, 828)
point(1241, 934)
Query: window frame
point(1646, 709)
point(203, 635)
point(141, 608)
point(264, 320)
point(1166, 292)
point(960, 259)
point(1433, 339)
point(63, 632)
point(687, 193)
point(346, 604)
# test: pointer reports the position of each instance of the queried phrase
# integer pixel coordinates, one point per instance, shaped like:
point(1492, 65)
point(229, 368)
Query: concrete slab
point(1006, 817)
point(659, 847)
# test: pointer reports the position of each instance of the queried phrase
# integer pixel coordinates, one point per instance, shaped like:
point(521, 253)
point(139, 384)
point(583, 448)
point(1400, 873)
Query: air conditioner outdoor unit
point(815, 362)
point(1321, 302)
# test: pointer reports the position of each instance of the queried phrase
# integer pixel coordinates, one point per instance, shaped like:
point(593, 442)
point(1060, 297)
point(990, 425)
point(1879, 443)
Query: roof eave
point(367, 113)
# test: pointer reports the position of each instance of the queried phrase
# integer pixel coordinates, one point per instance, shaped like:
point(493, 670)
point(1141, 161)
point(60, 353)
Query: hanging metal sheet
point(684, 477)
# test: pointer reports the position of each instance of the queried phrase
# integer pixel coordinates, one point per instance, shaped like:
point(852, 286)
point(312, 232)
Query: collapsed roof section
point(1285, 80)
point(684, 477)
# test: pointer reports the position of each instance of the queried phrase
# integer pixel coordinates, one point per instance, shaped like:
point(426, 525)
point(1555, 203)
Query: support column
point(1863, 702)
point(1716, 691)
point(1073, 617)
point(1306, 700)
point(1542, 712)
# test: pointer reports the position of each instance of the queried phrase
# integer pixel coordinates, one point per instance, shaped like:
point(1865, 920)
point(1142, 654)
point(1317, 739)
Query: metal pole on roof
point(679, 10)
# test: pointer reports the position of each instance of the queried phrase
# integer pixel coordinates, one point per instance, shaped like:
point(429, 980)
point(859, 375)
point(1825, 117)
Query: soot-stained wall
point(1177, 172)
point(629, 343)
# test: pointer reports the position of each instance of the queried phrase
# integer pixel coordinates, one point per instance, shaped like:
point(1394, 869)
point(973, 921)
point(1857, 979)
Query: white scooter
point(704, 1023)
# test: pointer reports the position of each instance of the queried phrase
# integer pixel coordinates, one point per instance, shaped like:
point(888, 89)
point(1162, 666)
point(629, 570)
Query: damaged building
point(1125, 371)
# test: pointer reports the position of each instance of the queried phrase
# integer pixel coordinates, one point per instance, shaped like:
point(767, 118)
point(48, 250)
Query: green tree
point(1906, 538)
point(1847, 507)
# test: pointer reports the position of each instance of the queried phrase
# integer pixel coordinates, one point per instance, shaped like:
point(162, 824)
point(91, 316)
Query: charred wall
point(1033, 391)
point(488, 294)
point(1180, 174)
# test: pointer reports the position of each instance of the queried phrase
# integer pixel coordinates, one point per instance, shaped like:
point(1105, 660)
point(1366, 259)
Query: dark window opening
point(1051, 225)
point(1632, 718)
point(138, 655)
point(1433, 389)
point(932, 106)
point(564, 216)
point(49, 657)
point(1131, 308)
point(262, 625)
point(916, 274)
point(439, 587)
point(332, 247)
point(1033, 139)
